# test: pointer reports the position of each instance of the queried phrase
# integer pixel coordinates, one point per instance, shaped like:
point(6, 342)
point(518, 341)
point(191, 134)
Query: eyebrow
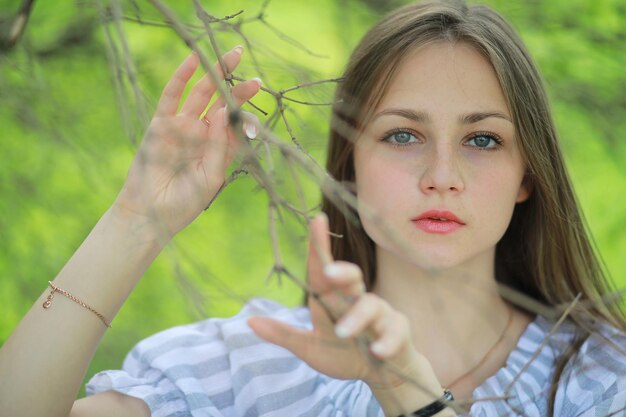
point(422, 117)
point(477, 117)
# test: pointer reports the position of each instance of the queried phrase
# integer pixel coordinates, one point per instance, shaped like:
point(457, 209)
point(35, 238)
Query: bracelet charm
point(48, 301)
point(46, 305)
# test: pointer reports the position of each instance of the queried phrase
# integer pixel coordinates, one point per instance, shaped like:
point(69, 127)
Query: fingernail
point(250, 129)
point(344, 329)
point(238, 49)
point(332, 270)
point(225, 115)
point(258, 80)
point(377, 348)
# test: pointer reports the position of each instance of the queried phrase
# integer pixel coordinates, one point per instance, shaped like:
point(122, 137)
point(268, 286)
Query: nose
point(441, 172)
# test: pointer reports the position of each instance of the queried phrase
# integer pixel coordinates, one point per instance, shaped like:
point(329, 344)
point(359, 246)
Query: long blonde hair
point(546, 252)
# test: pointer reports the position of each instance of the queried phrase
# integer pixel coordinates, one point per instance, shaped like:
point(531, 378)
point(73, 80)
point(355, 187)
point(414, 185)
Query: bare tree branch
point(15, 30)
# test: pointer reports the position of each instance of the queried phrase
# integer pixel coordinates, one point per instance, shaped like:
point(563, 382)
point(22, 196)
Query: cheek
point(378, 185)
point(494, 201)
point(383, 192)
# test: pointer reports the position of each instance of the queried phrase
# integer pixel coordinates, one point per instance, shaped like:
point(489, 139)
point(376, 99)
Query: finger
point(203, 90)
point(250, 129)
point(324, 316)
point(214, 160)
point(319, 254)
point(364, 314)
point(345, 277)
point(228, 144)
point(346, 286)
point(170, 98)
point(241, 93)
point(250, 125)
point(394, 336)
point(297, 341)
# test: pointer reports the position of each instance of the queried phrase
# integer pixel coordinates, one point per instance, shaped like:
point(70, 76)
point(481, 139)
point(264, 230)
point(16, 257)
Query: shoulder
point(593, 382)
point(523, 383)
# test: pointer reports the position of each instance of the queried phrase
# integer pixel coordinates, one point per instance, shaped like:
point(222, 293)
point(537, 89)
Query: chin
point(430, 259)
point(435, 262)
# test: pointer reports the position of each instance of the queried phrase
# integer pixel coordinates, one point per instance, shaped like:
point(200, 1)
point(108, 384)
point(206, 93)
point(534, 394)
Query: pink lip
point(428, 222)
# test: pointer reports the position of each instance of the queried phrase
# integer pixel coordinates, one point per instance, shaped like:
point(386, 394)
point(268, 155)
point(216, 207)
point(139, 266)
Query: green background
point(66, 143)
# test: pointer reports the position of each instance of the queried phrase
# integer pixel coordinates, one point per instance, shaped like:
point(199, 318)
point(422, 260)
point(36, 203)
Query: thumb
point(295, 340)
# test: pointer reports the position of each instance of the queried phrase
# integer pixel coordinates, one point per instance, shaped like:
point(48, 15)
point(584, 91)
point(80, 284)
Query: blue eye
point(484, 141)
point(400, 138)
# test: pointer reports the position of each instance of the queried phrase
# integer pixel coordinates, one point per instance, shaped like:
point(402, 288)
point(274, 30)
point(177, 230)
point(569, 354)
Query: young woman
point(443, 127)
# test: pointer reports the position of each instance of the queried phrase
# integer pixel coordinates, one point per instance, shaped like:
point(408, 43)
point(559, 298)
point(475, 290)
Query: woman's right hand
point(181, 163)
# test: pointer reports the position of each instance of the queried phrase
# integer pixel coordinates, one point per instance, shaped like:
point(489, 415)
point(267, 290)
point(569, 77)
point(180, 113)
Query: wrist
point(439, 407)
point(141, 229)
point(418, 388)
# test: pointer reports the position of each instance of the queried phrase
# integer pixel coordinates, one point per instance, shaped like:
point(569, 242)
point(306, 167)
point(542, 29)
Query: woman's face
point(438, 161)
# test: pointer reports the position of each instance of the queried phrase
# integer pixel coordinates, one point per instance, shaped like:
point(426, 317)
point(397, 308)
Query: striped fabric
point(219, 368)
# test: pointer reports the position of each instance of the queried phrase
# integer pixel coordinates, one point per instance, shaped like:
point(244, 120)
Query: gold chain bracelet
point(48, 302)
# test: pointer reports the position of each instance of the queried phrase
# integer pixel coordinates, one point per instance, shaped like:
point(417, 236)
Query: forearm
point(44, 361)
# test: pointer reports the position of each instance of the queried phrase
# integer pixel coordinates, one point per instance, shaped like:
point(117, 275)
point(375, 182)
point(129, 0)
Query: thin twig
point(541, 346)
point(288, 38)
point(233, 176)
point(189, 40)
point(116, 74)
point(130, 66)
point(206, 19)
point(17, 26)
point(311, 84)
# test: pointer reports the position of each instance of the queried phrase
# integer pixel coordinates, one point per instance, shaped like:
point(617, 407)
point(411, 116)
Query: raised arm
point(179, 167)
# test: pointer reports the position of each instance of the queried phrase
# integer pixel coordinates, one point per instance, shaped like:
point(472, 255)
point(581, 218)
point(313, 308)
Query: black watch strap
point(434, 407)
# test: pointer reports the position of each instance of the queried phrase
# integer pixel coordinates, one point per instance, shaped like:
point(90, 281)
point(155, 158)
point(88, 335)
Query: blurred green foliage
point(66, 143)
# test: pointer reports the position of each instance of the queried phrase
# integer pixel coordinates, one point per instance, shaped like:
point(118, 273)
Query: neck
point(457, 314)
point(463, 292)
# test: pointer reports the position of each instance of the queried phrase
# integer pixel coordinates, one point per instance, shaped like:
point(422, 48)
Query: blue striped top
point(219, 368)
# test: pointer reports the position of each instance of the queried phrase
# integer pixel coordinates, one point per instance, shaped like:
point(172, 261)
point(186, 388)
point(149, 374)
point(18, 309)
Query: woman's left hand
point(370, 340)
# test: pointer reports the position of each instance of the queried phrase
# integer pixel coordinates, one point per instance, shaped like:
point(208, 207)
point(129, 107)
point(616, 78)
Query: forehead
point(445, 76)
